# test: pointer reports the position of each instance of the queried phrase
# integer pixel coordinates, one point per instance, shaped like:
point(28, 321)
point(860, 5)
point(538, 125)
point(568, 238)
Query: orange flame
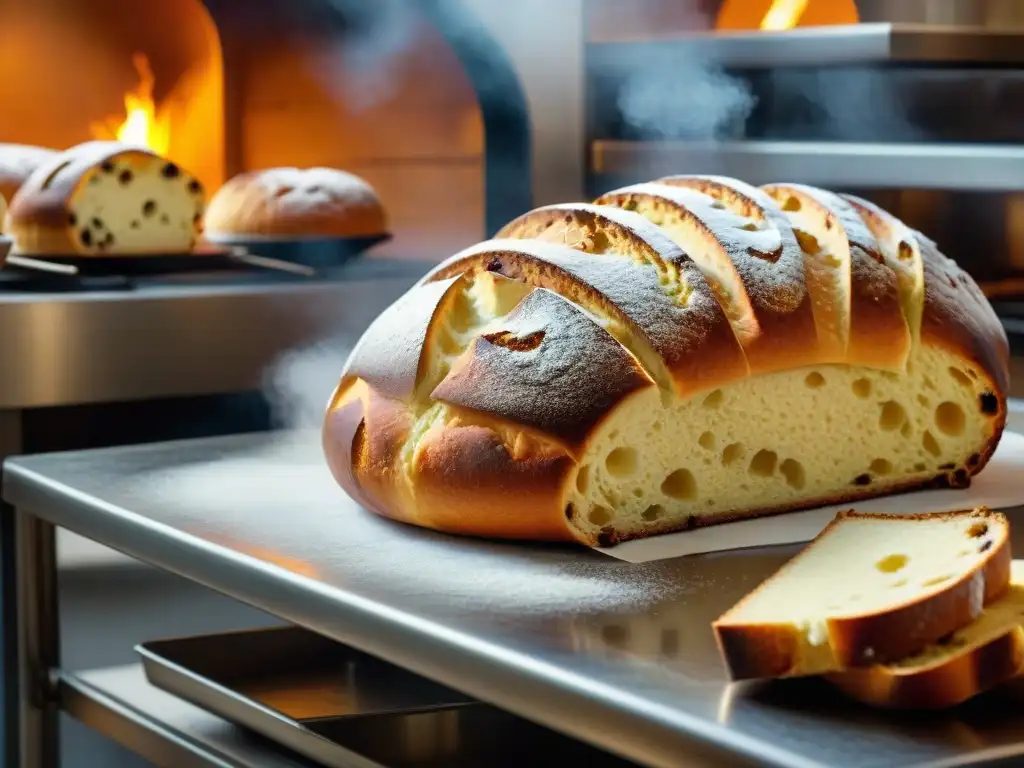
point(142, 124)
point(784, 14)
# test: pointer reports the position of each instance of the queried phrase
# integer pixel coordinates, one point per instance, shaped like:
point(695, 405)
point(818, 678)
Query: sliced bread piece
point(986, 653)
point(869, 589)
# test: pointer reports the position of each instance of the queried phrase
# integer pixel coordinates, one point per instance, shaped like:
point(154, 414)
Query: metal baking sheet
point(617, 655)
point(345, 708)
point(320, 253)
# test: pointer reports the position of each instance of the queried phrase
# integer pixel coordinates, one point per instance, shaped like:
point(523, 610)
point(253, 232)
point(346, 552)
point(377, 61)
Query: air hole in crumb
point(905, 430)
point(973, 460)
point(892, 417)
point(621, 462)
point(793, 471)
point(986, 546)
point(791, 204)
point(653, 512)
point(808, 242)
point(681, 484)
point(599, 242)
point(881, 467)
point(570, 511)
point(135, 224)
point(583, 479)
point(977, 530)
point(599, 515)
point(814, 380)
point(714, 399)
point(732, 453)
point(950, 418)
point(959, 376)
point(862, 388)
point(763, 463)
point(149, 208)
point(891, 563)
point(920, 467)
point(904, 251)
point(923, 400)
point(165, 219)
point(930, 443)
point(936, 580)
point(707, 440)
point(989, 404)
point(864, 479)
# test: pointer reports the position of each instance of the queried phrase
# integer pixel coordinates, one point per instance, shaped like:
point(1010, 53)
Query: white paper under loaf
point(999, 486)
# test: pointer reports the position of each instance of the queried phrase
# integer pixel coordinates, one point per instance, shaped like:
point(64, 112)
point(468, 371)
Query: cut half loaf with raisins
point(690, 352)
point(105, 198)
point(987, 653)
point(869, 589)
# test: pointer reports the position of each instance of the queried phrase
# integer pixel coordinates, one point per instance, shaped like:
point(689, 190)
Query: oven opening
point(779, 15)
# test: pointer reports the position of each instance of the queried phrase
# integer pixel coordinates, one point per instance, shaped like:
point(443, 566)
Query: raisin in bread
point(987, 653)
point(17, 161)
point(294, 202)
point(105, 198)
point(869, 589)
point(688, 352)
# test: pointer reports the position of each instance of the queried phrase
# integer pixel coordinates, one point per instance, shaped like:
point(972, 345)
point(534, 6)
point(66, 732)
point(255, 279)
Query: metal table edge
point(569, 703)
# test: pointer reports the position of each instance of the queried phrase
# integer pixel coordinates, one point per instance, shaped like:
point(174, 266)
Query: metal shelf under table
point(616, 655)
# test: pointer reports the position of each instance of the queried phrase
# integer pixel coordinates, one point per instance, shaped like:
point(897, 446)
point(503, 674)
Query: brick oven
point(394, 91)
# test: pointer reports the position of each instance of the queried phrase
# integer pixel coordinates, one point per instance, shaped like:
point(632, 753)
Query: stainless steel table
point(617, 655)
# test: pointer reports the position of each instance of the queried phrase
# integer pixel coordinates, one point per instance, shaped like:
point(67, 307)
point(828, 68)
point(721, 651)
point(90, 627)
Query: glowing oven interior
point(223, 86)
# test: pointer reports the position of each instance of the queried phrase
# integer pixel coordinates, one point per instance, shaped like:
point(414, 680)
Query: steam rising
point(299, 384)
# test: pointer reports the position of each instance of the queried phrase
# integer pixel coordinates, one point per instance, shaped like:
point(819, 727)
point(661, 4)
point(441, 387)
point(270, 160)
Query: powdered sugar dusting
point(306, 524)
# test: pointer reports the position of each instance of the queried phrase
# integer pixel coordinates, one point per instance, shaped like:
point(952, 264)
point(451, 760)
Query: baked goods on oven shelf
point(683, 353)
point(285, 203)
point(919, 612)
point(105, 198)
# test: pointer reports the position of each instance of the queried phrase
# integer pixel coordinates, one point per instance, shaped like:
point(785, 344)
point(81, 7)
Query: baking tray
point(320, 253)
point(345, 708)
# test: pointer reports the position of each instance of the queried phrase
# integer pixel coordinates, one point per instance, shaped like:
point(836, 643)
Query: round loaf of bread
point(295, 203)
point(17, 161)
point(681, 353)
point(105, 198)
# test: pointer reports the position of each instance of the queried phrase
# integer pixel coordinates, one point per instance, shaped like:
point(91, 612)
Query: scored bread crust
point(295, 202)
point(40, 218)
point(767, 650)
point(487, 415)
point(17, 162)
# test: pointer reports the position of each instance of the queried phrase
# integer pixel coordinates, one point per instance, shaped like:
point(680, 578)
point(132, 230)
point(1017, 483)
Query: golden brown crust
point(522, 494)
point(17, 162)
point(947, 684)
point(527, 371)
point(639, 274)
point(294, 202)
point(770, 650)
point(768, 261)
point(472, 426)
point(879, 336)
point(390, 354)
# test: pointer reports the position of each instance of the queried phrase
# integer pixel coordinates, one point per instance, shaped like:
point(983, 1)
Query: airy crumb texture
point(686, 352)
point(106, 198)
point(869, 588)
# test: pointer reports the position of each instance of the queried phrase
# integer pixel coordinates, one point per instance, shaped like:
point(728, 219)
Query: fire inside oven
point(221, 87)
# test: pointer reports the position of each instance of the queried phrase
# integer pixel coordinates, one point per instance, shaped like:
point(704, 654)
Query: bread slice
point(869, 589)
point(103, 198)
point(986, 653)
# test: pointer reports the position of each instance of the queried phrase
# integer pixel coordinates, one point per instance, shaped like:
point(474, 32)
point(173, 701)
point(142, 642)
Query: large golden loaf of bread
point(680, 353)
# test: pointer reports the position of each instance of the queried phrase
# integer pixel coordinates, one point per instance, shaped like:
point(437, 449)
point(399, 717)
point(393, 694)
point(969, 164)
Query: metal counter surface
point(167, 340)
point(616, 654)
